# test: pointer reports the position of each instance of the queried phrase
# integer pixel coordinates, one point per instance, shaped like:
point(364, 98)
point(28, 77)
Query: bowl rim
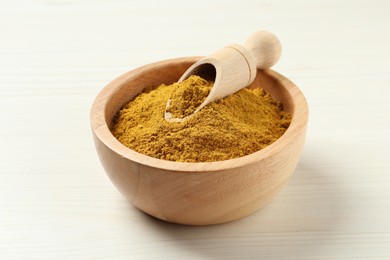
point(102, 132)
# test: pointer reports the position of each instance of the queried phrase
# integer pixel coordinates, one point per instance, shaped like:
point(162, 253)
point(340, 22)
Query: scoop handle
point(265, 47)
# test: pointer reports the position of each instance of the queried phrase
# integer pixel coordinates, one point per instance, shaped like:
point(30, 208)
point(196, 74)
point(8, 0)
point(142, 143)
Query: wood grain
point(57, 202)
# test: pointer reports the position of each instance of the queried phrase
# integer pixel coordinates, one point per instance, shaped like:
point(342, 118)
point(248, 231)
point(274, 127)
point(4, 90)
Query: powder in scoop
point(188, 96)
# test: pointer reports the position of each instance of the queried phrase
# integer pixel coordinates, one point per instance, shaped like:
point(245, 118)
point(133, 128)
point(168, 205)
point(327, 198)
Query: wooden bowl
point(197, 193)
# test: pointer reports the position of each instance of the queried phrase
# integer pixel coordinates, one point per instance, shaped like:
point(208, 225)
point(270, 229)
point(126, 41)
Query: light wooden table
point(55, 199)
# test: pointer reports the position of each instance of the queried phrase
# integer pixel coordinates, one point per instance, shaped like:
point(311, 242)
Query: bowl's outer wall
point(202, 198)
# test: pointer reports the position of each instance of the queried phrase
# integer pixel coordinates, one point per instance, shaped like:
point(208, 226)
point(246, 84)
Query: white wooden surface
point(55, 199)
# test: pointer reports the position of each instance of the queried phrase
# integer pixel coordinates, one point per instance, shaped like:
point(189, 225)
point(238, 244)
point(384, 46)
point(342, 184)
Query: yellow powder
point(235, 126)
point(188, 96)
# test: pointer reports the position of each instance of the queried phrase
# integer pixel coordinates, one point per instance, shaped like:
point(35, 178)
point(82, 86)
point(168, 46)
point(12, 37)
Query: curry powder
point(188, 96)
point(235, 126)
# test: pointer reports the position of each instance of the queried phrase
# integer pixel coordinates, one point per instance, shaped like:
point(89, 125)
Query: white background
point(56, 201)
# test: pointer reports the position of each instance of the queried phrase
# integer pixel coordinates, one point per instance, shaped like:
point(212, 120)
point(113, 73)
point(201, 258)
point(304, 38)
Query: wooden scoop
point(233, 67)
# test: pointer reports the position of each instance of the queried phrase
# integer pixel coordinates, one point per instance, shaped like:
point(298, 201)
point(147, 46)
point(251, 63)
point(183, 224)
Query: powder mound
point(232, 127)
point(188, 96)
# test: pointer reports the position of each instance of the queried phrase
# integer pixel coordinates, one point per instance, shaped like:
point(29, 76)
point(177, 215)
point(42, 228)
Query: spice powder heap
point(235, 126)
point(188, 96)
